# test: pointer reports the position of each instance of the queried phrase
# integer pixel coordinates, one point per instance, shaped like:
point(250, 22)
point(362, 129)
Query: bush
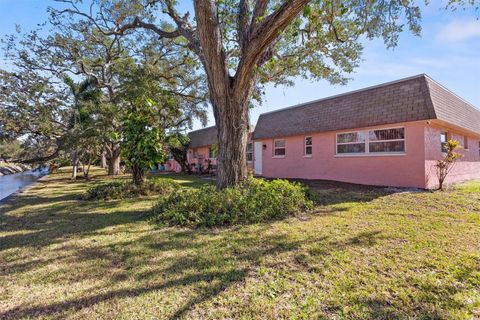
point(126, 189)
point(255, 200)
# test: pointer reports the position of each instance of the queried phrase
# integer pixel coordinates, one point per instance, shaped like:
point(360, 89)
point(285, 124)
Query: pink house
point(386, 135)
point(203, 149)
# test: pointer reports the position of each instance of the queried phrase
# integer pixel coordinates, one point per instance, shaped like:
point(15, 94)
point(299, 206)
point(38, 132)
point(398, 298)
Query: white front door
point(257, 154)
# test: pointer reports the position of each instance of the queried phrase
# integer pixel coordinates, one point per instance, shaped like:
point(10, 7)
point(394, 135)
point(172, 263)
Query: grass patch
point(370, 255)
point(123, 189)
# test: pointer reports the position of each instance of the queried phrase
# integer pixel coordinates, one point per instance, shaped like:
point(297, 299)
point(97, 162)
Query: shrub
point(255, 200)
point(126, 189)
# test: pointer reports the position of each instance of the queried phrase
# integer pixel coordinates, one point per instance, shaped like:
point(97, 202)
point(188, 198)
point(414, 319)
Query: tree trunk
point(112, 155)
point(103, 162)
point(138, 175)
point(114, 165)
point(232, 133)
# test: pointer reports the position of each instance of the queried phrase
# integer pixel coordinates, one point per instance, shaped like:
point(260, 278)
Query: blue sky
point(448, 51)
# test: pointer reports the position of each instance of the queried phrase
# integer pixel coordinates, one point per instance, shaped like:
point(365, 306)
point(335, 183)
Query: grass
point(365, 253)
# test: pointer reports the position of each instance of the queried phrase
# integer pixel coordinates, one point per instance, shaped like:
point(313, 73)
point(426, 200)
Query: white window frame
point(284, 147)
point(250, 152)
point(305, 154)
point(367, 152)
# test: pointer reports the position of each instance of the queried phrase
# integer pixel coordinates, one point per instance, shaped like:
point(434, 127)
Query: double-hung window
point(308, 146)
point(249, 152)
point(279, 148)
point(378, 141)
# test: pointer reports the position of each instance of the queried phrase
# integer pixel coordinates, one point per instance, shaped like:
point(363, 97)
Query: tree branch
point(262, 37)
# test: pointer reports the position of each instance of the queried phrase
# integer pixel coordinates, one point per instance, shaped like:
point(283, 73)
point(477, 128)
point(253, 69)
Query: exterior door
point(257, 157)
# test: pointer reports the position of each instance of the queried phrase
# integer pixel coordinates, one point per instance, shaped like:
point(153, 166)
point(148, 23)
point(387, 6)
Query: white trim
point(367, 142)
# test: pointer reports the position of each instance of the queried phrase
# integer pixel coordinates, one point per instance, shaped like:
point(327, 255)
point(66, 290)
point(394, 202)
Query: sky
point(448, 51)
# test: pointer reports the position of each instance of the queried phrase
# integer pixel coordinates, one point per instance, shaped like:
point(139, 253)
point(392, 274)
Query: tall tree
point(245, 44)
point(151, 110)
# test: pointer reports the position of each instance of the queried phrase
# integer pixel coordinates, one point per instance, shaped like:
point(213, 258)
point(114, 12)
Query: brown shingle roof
point(206, 136)
point(410, 99)
point(452, 109)
point(203, 137)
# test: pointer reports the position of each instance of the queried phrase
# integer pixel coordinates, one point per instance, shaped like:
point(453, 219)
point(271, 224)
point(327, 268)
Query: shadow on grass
point(334, 192)
point(43, 217)
point(209, 274)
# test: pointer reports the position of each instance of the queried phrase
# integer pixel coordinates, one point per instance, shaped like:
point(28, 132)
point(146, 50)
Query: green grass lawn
point(364, 253)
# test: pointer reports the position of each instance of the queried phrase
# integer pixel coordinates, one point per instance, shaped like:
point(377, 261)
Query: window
point(352, 142)
point(195, 153)
point(465, 142)
point(279, 148)
point(443, 141)
point(479, 148)
point(212, 151)
point(387, 140)
point(308, 146)
point(377, 141)
point(249, 152)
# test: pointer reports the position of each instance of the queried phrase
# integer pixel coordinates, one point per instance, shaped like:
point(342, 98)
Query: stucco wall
point(406, 170)
point(467, 168)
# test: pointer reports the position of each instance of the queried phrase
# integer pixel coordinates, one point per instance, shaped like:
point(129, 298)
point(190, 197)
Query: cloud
point(458, 31)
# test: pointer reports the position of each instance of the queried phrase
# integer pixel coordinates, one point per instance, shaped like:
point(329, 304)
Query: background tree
point(10, 149)
point(82, 125)
point(243, 45)
point(142, 145)
point(35, 109)
point(152, 111)
point(178, 146)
